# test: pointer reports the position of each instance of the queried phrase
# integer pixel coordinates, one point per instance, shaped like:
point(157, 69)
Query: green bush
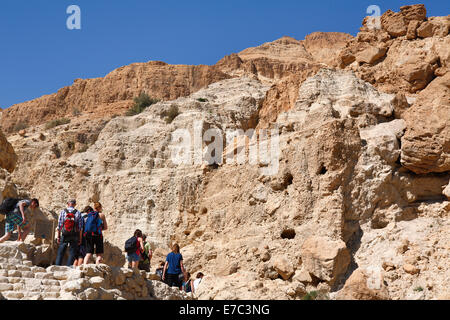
point(171, 114)
point(56, 123)
point(202, 100)
point(141, 102)
point(418, 289)
point(310, 295)
point(83, 149)
point(20, 126)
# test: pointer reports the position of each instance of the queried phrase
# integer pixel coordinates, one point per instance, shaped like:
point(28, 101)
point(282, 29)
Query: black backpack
point(8, 205)
point(131, 245)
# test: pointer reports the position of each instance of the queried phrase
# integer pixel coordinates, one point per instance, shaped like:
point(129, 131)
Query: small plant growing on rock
point(316, 295)
point(76, 112)
point(20, 126)
point(141, 102)
point(56, 123)
point(310, 295)
point(171, 114)
point(83, 149)
point(71, 145)
point(418, 289)
point(202, 100)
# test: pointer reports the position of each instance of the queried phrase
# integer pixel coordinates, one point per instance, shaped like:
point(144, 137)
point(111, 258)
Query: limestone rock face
point(8, 157)
point(359, 170)
point(426, 143)
point(113, 94)
point(293, 61)
point(325, 259)
point(338, 174)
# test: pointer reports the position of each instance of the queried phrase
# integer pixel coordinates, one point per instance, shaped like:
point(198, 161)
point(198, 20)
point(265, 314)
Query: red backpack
point(69, 228)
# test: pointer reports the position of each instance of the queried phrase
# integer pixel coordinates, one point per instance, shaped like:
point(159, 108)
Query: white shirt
point(196, 283)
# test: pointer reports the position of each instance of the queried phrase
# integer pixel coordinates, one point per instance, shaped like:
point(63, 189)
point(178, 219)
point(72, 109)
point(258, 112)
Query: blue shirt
point(174, 260)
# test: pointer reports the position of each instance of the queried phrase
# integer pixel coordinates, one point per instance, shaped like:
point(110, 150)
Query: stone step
point(26, 295)
point(13, 295)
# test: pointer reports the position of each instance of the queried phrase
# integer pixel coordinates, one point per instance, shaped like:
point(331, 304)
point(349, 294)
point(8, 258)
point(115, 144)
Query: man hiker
point(14, 209)
point(70, 227)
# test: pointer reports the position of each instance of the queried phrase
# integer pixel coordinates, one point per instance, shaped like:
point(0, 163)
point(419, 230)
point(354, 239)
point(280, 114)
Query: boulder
point(325, 258)
point(371, 55)
point(411, 34)
point(446, 191)
point(411, 269)
point(360, 287)
point(434, 27)
point(416, 12)
point(394, 23)
point(283, 266)
point(383, 139)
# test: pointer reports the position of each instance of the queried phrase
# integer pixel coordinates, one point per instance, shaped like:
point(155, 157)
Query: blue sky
point(39, 55)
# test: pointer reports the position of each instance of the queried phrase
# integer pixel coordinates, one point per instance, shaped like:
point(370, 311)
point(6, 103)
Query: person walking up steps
point(82, 247)
point(70, 226)
point(14, 209)
point(93, 231)
point(134, 248)
point(174, 266)
point(144, 264)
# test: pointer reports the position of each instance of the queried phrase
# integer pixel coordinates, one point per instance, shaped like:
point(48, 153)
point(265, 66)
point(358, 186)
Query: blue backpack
point(93, 224)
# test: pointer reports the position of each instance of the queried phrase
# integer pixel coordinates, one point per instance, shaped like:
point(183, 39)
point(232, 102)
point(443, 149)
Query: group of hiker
point(172, 272)
point(82, 233)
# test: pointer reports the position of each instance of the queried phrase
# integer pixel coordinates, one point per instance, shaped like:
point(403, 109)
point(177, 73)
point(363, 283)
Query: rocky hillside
point(353, 203)
point(113, 94)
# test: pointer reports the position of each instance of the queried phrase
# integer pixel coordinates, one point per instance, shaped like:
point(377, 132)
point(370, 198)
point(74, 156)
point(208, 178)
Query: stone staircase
point(21, 280)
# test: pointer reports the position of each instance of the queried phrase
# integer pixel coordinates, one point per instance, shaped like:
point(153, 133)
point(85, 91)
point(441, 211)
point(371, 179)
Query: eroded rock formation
point(357, 207)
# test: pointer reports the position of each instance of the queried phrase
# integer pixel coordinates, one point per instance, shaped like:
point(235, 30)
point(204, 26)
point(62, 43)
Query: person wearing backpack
point(70, 228)
point(174, 267)
point(82, 247)
point(14, 210)
point(144, 264)
point(134, 247)
point(93, 231)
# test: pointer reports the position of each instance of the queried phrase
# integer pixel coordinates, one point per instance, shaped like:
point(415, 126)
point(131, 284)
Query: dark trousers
point(144, 266)
point(72, 242)
point(173, 280)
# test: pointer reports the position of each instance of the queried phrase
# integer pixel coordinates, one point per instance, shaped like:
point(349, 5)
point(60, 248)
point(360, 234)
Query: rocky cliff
point(347, 196)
